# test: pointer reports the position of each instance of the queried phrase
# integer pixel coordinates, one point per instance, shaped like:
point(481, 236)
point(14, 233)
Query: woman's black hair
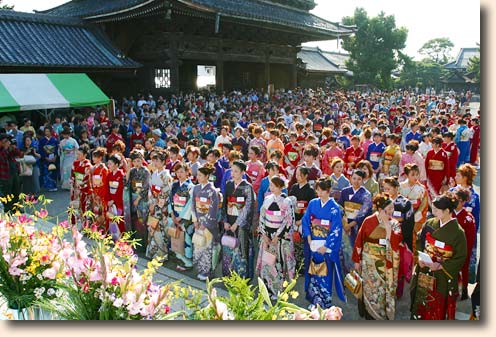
point(240, 164)
point(446, 201)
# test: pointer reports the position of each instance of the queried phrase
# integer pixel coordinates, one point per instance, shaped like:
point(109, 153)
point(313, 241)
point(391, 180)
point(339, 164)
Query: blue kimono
point(47, 148)
point(462, 140)
point(338, 184)
point(374, 154)
point(264, 191)
point(357, 206)
point(226, 177)
point(323, 224)
point(181, 205)
point(216, 178)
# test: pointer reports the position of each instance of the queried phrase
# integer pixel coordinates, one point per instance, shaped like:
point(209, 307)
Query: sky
point(458, 20)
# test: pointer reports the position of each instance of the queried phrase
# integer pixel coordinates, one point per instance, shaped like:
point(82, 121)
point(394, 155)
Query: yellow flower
point(294, 294)
point(284, 297)
point(285, 284)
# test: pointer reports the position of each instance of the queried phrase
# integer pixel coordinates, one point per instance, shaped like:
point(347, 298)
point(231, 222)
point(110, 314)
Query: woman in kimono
point(391, 157)
point(338, 180)
point(377, 259)
point(80, 189)
point(322, 229)
point(357, 204)
point(465, 176)
point(255, 168)
point(238, 209)
point(403, 213)
point(414, 191)
point(205, 208)
point(434, 287)
point(47, 148)
point(158, 196)
point(67, 151)
point(303, 193)
point(276, 260)
point(180, 201)
point(412, 156)
point(99, 188)
point(115, 196)
point(272, 168)
point(369, 182)
point(139, 179)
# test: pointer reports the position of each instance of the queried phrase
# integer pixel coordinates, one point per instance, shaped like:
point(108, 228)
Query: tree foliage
point(421, 74)
point(473, 67)
point(437, 49)
point(374, 47)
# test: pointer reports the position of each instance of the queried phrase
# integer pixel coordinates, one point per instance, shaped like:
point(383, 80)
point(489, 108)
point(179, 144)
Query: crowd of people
point(315, 182)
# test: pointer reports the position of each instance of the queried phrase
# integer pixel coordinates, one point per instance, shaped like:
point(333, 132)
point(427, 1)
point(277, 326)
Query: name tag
point(181, 198)
point(439, 244)
point(277, 213)
point(158, 188)
point(202, 199)
point(325, 222)
point(96, 176)
point(300, 205)
point(469, 209)
point(397, 214)
point(240, 199)
point(139, 185)
point(114, 184)
point(383, 242)
point(254, 173)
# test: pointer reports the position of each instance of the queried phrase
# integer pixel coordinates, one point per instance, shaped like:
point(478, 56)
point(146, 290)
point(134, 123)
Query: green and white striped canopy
point(20, 92)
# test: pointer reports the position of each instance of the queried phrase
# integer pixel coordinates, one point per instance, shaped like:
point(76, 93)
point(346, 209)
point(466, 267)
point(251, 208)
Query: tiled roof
point(252, 10)
point(316, 61)
point(463, 58)
point(338, 59)
point(34, 40)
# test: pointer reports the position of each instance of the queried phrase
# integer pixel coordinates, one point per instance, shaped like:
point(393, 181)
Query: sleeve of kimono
point(186, 212)
point(213, 210)
point(224, 204)
point(305, 221)
point(261, 192)
point(365, 209)
point(421, 214)
point(362, 234)
point(408, 224)
point(333, 240)
point(261, 222)
point(146, 185)
point(223, 183)
point(396, 237)
point(452, 266)
point(288, 221)
point(243, 218)
point(194, 214)
point(476, 211)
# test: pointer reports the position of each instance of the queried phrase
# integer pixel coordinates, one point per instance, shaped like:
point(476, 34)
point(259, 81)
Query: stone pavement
point(168, 273)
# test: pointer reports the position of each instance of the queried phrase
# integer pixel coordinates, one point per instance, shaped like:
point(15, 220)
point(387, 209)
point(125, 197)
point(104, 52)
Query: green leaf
point(263, 290)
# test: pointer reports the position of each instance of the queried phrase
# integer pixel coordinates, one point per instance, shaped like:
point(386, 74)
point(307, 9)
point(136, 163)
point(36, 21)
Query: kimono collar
point(441, 224)
point(322, 204)
point(458, 212)
point(301, 186)
point(355, 191)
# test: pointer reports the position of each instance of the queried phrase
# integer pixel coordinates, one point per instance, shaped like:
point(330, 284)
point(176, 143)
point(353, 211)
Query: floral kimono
point(139, 179)
point(238, 208)
point(391, 160)
point(80, 190)
point(47, 148)
point(180, 201)
point(277, 218)
point(116, 194)
point(97, 203)
point(68, 149)
point(205, 209)
point(338, 184)
point(434, 293)
point(379, 258)
point(323, 223)
point(418, 196)
point(159, 195)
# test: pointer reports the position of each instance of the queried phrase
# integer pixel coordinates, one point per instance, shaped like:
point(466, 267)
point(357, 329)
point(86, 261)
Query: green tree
point(437, 49)
point(473, 67)
point(422, 74)
point(374, 48)
point(2, 6)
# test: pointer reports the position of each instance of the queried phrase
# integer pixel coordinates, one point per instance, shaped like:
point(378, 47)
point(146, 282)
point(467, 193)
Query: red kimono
point(116, 194)
point(351, 158)
point(112, 139)
point(137, 139)
point(452, 152)
point(292, 155)
point(467, 221)
point(80, 187)
point(436, 169)
point(474, 144)
point(99, 194)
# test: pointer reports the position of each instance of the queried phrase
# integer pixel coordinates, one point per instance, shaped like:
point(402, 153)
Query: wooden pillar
point(174, 70)
point(267, 69)
point(293, 82)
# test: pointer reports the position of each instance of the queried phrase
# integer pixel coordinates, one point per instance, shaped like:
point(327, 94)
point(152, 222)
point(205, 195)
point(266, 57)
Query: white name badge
point(383, 242)
point(158, 188)
point(277, 213)
point(240, 199)
point(203, 199)
point(397, 214)
point(439, 244)
point(325, 222)
point(300, 205)
point(139, 185)
point(469, 209)
point(51, 156)
point(97, 177)
point(182, 198)
point(254, 173)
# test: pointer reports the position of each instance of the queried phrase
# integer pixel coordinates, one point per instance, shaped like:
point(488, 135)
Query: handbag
point(26, 170)
point(199, 239)
point(318, 269)
point(229, 241)
point(173, 232)
point(152, 223)
point(216, 251)
point(353, 282)
point(30, 160)
point(268, 258)
point(177, 242)
point(406, 262)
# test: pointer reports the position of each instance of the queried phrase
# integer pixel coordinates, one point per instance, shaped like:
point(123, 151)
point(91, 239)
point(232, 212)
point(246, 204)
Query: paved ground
point(168, 273)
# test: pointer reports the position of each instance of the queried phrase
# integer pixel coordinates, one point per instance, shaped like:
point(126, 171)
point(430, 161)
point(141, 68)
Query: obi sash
point(234, 205)
point(292, 156)
point(202, 204)
point(136, 185)
point(97, 180)
point(439, 251)
point(274, 218)
point(212, 178)
point(237, 148)
point(78, 177)
point(301, 206)
point(351, 209)
point(113, 185)
point(375, 156)
point(156, 190)
point(320, 227)
point(253, 174)
point(415, 203)
point(351, 159)
point(388, 158)
point(436, 165)
point(179, 202)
